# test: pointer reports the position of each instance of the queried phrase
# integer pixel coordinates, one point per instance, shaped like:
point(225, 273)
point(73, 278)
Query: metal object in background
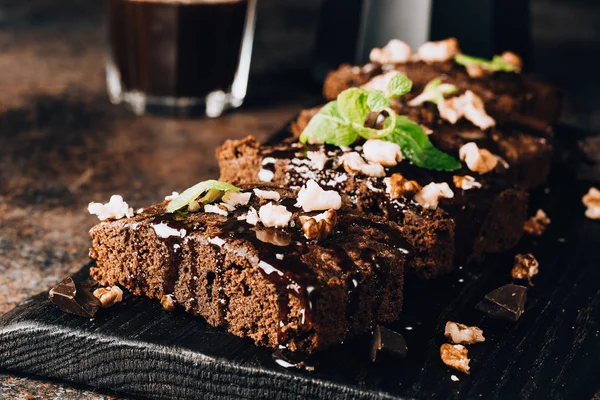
point(349, 29)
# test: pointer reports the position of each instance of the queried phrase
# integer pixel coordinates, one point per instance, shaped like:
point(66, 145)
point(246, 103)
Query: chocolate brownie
point(270, 284)
point(528, 155)
point(474, 222)
point(509, 97)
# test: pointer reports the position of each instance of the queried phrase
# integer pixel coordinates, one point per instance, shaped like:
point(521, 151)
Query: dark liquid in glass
point(176, 48)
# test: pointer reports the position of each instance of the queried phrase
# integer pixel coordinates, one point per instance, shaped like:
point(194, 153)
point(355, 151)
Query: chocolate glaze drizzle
point(287, 264)
point(290, 275)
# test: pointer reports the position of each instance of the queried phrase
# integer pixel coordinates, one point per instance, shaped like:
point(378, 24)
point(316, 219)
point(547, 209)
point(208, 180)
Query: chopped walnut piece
point(116, 208)
point(476, 71)
point(216, 209)
point(537, 224)
point(394, 52)
point(313, 198)
point(478, 160)
point(466, 182)
point(397, 186)
point(442, 50)
point(526, 267)
point(513, 60)
point(592, 201)
point(272, 215)
point(109, 296)
point(382, 152)
point(236, 198)
point(463, 334)
point(252, 216)
point(380, 82)
point(455, 356)
point(172, 196)
point(168, 302)
point(429, 197)
point(354, 163)
point(319, 226)
point(317, 158)
point(266, 194)
point(470, 106)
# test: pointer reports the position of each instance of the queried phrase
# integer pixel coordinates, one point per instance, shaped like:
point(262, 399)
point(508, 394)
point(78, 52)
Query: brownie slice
point(464, 228)
point(508, 97)
point(272, 285)
point(528, 155)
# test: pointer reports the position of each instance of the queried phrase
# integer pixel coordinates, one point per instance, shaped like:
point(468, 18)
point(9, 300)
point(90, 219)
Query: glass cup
point(179, 57)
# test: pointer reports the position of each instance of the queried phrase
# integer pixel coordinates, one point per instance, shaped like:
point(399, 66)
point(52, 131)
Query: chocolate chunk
point(506, 302)
point(387, 343)
point(74, 298)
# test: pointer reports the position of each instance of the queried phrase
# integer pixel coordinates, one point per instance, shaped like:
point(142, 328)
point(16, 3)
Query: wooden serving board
point(552, 352)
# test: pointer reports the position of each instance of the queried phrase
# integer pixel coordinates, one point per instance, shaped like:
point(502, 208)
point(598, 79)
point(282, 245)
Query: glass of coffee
point(179, 57)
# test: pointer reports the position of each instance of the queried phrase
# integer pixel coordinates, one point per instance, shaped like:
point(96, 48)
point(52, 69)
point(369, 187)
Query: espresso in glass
point(179, 56)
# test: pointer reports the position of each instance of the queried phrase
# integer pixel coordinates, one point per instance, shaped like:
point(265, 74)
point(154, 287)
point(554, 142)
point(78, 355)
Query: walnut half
point(526, 267)
point(168, 302)
point(109, 296)
point(455, 356)
point(318, 227)
point(537, 224)
point(397, 186)
point(463, 334)
point(592, 201)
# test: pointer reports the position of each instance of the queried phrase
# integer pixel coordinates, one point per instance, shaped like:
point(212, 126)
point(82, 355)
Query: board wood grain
point(552, 352)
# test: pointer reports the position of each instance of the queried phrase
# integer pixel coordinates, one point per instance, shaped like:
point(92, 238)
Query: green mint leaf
point(192, 193)
point(398, 86)
point(433, 92)
point(494, 65)
point(370, 133)
point(211, 196)
point(353, 105)
point(340, 122)
point(329, 126)
point(416, 147)
point(376, 101)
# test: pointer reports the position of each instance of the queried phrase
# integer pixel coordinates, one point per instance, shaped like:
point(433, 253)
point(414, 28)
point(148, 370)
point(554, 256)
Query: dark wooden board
point(552, 352)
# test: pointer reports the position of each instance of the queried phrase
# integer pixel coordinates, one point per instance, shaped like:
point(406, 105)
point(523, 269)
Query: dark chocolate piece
point(386, 344)
point(506, 302)
point(75, 298)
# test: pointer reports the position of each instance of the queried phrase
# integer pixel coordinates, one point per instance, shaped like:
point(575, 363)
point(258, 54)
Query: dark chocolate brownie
point(527, 154)
point(478, 221)
point(272, 285)
point(508, 97)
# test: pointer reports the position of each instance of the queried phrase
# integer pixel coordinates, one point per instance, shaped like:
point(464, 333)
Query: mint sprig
point(210, 191)
point(416, 147)
point(342, 121)
point(494, 65)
